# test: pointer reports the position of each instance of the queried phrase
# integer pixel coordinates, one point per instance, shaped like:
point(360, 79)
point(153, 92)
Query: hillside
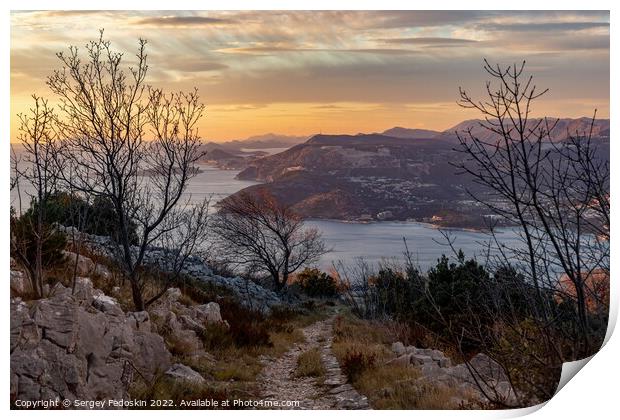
point(367, 177)
point(379, 177)
point(360, 154)
point(411, 133)
point(560, 131)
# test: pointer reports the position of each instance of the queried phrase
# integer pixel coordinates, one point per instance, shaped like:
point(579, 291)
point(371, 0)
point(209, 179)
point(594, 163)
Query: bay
point(374, 242)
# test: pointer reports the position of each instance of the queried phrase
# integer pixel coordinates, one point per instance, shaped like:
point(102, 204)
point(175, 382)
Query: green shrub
point(398, 294)
point(316, 283)
point(96, 218)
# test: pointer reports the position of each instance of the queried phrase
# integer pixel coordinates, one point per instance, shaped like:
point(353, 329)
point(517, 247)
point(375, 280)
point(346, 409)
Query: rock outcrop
point(82, 345)
point(184, 373)
point(19, 283)
point(482, 377)
point(84, 266)
point(182, 324)
point(248, 293)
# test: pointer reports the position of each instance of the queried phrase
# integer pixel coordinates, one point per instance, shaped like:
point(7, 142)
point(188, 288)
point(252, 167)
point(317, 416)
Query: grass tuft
point(309, 364)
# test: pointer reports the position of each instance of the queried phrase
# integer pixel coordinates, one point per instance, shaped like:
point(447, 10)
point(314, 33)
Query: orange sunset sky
point(300, 73)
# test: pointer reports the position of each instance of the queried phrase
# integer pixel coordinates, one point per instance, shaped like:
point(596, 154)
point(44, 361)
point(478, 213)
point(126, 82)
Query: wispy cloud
point(337, 70)
point(434, 41)
point(180, 21)
point(544, 26)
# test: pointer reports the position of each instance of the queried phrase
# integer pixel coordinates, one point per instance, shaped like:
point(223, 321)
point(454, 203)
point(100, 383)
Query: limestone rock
point(418, 359)
point(84, 290)
point(210, 312)
point(102, 271)
point(184, 340)
point(139, 321)
point(108, 305)
point(85, 266)
point(172, 295)
point(19, 283)
point(191, 324)
point(248, 293)
point(402, 360)
point(487, 368)
point(398, 348)
point(65, 347)
point(436, 368)
point(412, 349)
point(184, 373)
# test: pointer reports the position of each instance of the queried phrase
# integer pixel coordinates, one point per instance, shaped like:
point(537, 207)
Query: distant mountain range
point(406, 175)
point(263, 141)
point(563, 128)
point(399, 174)
point(363, 177)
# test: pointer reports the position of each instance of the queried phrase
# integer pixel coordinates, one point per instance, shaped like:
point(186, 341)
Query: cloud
point(543, 26)
point(64, 13)
point(179, 21)
point(424, 18)
point(431, 41)
point(35, 62)
point(193, 65)
point(326, 58)
point(265, 50)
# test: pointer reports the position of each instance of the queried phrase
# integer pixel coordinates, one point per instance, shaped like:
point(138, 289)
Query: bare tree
point(185, 234)
point(258, 231)
point(126, 142)
point(555, 192)
point(38, 171)
point(14, 179)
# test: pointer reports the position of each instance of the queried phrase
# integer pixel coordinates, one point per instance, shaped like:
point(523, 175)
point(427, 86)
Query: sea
point(381, 242)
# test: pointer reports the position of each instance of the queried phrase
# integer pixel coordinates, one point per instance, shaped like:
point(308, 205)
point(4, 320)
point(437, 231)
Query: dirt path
point(277, 381)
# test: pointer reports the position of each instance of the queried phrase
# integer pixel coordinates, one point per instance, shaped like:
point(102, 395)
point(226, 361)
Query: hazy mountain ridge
point(411, 133)
point(563, 129)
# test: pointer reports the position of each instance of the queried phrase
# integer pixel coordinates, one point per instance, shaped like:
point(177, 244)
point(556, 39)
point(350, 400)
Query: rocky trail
point(278, 383)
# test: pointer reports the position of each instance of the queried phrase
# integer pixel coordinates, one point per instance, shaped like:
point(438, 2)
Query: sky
point(337, 72)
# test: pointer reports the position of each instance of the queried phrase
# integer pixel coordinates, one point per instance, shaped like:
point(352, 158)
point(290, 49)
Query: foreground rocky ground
point(83, 343)
point(277, 382)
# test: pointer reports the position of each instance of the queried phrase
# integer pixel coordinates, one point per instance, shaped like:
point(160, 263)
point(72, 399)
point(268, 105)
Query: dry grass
point(400, 387)
point(164, 389)
point(387, 386)
point(309, 364)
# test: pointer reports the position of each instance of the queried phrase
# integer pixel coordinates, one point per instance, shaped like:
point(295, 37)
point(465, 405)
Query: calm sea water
point(349, 241)
point(372, 241)
point(379, 241)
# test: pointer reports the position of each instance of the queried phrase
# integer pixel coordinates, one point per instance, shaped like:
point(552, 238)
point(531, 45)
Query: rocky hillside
point(247, 292)
point(345, 153)
point(83, 343)
point(365, 177)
